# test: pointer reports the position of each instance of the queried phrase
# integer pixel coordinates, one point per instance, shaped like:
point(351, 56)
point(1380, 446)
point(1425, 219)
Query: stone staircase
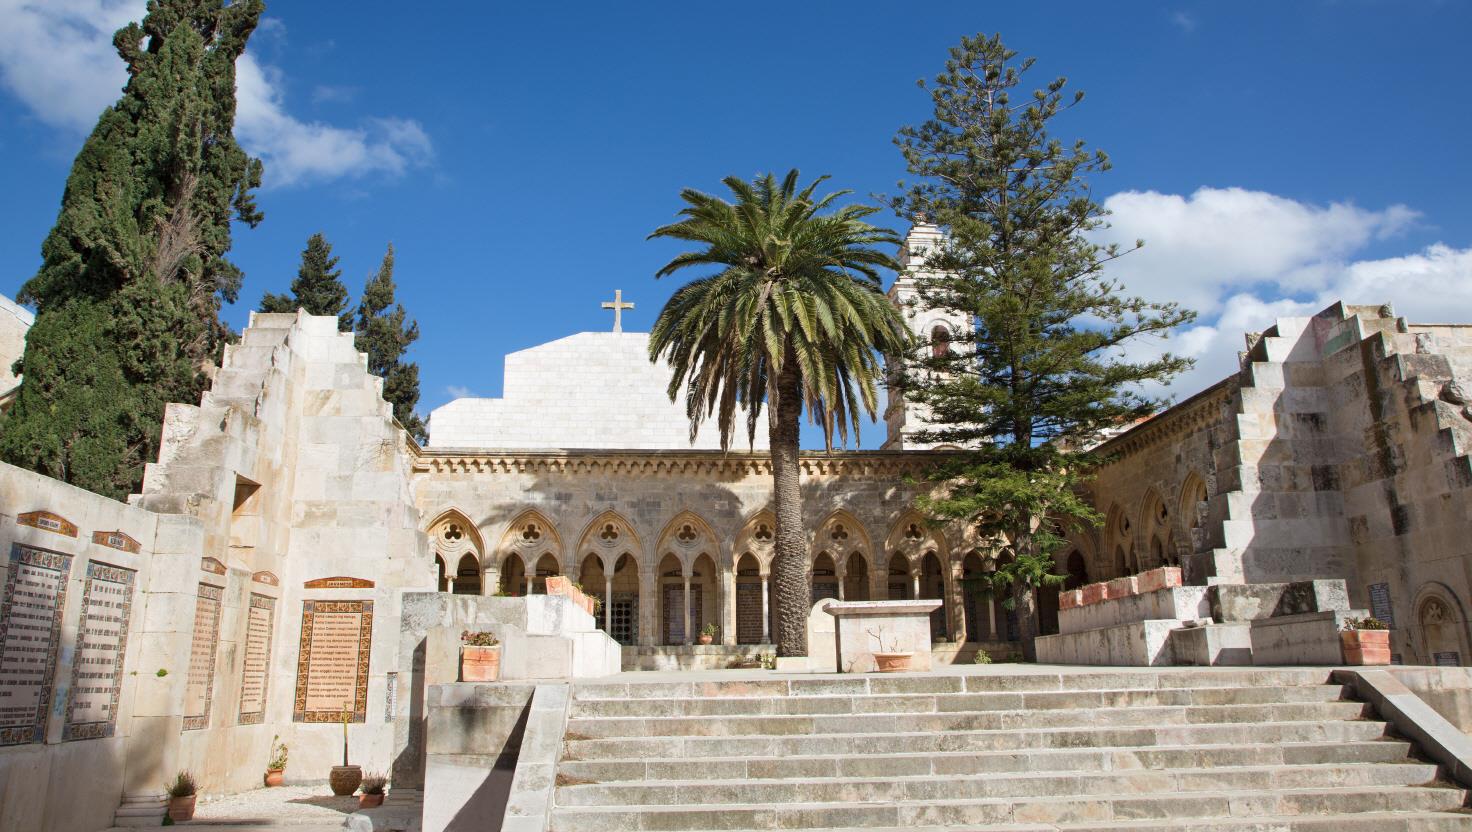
point(1026, 750)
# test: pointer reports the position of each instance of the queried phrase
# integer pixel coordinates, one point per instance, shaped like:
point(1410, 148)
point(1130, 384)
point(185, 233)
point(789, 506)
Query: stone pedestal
point(864, 628)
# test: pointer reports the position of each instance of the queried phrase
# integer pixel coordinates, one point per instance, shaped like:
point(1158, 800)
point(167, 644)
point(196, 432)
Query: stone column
point(608, 604)
point(648, 632)
point(841, 576)
point(490, 580)
point(531, 579)
point(914, 586)
point(766, 606)
point(728, 607)
point(685, 610)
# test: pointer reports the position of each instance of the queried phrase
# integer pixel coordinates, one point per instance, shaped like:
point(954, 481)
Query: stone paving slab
point(299, 808)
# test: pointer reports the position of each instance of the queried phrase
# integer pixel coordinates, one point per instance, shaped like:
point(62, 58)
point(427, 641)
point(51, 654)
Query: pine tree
point(1041, 371)
point(318, 286)
point(134, 271)
point(382, 334)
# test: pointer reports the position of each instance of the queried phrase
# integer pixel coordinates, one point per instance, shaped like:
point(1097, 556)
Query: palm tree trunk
point(789, 565)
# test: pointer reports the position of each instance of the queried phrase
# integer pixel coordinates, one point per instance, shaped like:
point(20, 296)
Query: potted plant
point(707, 633)
point(344, 779)
point(892, 659)
point(182, 793)
point(480, 657)
point(1365, 641)
point(372, 788)
point(276, 765)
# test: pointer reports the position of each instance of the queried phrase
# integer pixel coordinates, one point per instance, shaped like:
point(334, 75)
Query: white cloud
point(1185, 20)
point(1243, 258)
point(1201, 248)
point(296, 150)
point(457, 391)
point(57, 58)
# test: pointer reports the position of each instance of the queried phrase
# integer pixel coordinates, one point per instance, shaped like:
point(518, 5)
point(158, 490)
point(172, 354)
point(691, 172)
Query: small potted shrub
point(1365, 641)
point(480, 657)
point(344, 779)
point(890, 659)
point(707, 633)
point(276, 765)
point(182, 793)
point(373, 788)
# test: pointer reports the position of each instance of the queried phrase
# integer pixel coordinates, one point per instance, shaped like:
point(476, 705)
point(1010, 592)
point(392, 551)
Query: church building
point(292, 546)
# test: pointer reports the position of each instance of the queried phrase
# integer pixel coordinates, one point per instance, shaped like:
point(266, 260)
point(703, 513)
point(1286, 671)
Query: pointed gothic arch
point(1191, 514)
point(841, 535)
point(911, 536)
point(687, 536)
point(531, 535)
point(757, 538)
point(610, 536)
point(452, 535)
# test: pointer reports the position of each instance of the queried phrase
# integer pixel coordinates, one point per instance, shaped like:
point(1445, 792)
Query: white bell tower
point(934, 328)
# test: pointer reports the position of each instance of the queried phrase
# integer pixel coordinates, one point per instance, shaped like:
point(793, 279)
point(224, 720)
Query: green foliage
point(790, 320)
point(1042, 368)
point(183, 785)
point(373, 783)
point(1366, 623)
point(134, 271)
point(384, 336)
point(318, 286)
point(478, 639)
point(981, 657)
point(791, 282)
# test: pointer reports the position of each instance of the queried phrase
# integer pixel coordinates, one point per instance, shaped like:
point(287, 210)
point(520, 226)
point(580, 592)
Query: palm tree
point(793, 318)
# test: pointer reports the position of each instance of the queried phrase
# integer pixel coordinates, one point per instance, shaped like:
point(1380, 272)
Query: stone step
point(1366, 822)
point(767, 724)
point(1046, 784)
point(972, 762)
point(1027, 679)
point(952, 702)
point(1064, 810)
point(919, 742)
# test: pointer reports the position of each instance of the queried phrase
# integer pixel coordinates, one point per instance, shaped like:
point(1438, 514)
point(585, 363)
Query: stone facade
point(590, 390)
point(181, 637)
point(15, 322)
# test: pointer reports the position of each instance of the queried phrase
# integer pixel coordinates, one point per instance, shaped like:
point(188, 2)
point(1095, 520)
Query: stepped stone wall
point(1339, 451)
point(287, 486)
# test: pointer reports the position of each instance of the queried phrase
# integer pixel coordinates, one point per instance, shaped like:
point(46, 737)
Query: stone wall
point(15, 322)
point(590, 390)
point(285, 491)
point(1339, 451)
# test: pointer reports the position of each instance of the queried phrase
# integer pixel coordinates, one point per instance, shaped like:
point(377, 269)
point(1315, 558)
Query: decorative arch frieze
point(912, 536)
point(758, 538)
point(453, 535)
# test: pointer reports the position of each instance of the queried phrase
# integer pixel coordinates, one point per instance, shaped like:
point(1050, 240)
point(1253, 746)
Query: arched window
point(940, 341)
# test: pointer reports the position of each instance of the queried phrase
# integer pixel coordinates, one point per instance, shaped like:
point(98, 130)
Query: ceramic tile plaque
point(256, 675)
point(200, 686)
point(332, 665)
point(30, 631)
point(102, 641)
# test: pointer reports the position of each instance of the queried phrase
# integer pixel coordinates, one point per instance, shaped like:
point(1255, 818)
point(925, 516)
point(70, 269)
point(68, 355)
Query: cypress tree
point(133, 273)
point(383, 335)
point(318, 286)
point(1042, 369)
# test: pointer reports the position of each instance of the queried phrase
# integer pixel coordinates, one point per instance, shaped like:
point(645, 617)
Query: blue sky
point(1273, 155)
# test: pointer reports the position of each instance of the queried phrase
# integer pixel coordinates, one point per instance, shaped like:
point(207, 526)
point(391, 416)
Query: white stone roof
point(595, 390)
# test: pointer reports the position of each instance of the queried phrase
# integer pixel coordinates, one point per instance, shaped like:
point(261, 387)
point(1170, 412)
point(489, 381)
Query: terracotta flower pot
point(369, 801)
point(345, 780)
point(274, 777)
point(480, 664)
point(559, 585)
point(181, 808)
point(1365, 647)
point(704, 639)
point(892, 662)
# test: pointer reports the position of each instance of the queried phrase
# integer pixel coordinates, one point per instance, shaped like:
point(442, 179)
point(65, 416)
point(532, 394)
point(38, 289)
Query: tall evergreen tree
point(383, 335)
point(318, 286)
point(1042, 369)
point(134, 271)
point(793, 318)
